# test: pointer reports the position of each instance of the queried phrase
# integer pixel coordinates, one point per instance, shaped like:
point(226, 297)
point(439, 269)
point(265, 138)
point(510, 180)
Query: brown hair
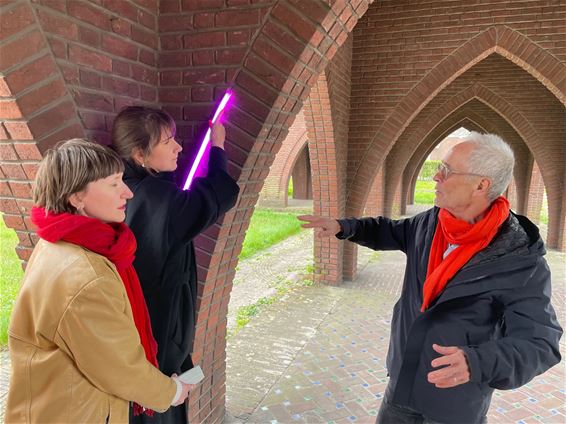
point(139, 127)
point(68, 168)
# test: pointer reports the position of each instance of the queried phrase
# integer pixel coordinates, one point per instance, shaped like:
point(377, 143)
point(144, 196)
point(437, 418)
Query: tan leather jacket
point(76, 354)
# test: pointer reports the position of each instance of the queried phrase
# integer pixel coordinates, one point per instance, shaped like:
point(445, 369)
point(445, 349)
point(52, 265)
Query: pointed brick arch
point(275, 188)
point(96, 57)
point(37, 111)
point(281, 65)
point(396, 163)
point(524, 158)
point(497, 39)
point(290, 163)
point(411, 172)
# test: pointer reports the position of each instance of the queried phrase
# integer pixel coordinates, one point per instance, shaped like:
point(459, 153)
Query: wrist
point(178, 391)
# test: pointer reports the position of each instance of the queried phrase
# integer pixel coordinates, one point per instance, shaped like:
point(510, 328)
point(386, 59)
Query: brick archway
point(275, 189)
point(523, 137)
point(84, 60)
point(417, 160)
point(281, 66)
point(415, 142)
point(497, 39)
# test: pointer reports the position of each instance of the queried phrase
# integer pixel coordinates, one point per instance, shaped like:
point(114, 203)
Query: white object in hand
point(192, 376)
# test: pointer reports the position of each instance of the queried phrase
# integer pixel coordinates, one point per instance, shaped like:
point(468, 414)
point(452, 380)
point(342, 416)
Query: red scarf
point(117, 243)
point(471, 238)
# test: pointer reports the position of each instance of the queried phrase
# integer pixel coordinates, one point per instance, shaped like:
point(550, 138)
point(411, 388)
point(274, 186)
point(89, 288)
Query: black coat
point(165, 219)
point(496, 308)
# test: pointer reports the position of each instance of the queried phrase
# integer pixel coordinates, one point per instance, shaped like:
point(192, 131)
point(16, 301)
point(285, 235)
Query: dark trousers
point(395, 414)
point(174, 415)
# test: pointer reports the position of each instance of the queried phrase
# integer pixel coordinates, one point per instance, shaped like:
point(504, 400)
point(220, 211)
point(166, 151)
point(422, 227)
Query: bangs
point(68, 169)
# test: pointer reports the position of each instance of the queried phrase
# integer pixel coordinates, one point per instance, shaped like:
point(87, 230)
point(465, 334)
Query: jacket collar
point(517, 246)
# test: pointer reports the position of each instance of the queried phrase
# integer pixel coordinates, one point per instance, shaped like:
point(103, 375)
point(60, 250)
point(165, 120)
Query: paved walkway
point(319, 356)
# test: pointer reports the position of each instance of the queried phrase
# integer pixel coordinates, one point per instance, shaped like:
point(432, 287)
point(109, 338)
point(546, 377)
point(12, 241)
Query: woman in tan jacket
point(80, 337)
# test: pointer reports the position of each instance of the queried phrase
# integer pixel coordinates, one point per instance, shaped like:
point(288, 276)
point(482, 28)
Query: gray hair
point(491, 157)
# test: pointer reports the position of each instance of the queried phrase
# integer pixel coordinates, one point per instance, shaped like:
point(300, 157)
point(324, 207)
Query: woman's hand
point(218, 134)
point(185, 389)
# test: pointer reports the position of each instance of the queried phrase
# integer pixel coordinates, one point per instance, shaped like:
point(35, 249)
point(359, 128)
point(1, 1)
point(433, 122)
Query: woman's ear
point(76, 200)
point(138, 156)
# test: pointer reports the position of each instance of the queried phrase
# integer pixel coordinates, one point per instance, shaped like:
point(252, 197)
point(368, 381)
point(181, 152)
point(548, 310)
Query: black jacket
point(496, 308)
point(164, 220)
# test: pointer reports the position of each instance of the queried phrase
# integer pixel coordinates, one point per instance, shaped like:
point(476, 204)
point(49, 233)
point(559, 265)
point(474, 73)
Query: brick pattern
point(34, 107)
point(302, 179)
point(328, 146)
point(294, 44)
point(107, 54)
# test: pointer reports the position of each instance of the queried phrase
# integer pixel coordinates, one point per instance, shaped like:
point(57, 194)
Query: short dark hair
point(139, 127)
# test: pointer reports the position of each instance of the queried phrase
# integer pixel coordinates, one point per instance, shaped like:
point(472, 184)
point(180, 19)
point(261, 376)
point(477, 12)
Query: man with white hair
point(475, 312)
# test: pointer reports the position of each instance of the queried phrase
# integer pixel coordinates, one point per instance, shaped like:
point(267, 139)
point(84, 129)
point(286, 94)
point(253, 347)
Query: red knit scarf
point(471, 238)
point(117, 243)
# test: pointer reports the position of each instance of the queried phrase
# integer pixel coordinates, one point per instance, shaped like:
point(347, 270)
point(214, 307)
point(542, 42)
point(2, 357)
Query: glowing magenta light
point(206, 140)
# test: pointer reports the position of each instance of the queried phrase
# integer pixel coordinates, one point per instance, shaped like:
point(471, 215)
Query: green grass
point(10, 277)
point(268, 227)
point(544, 210)
point(245, 313)
point(282, 287)
point(290, 188)
point(424, 192)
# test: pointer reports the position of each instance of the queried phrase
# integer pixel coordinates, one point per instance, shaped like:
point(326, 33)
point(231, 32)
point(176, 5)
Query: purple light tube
point(206, 140)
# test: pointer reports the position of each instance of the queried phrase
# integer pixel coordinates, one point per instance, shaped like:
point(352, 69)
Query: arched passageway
point(369, 76)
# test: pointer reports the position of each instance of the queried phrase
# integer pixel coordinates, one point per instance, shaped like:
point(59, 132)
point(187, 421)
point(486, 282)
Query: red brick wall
point(274, 191)
point(302, 181)
point(535, 194)
point(326, 117)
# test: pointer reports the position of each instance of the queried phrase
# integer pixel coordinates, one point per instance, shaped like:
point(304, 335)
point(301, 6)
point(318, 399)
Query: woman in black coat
point(165, 219)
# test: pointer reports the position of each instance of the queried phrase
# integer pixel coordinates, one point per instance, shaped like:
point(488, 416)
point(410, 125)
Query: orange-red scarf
point(471, 238)
point(117, 243)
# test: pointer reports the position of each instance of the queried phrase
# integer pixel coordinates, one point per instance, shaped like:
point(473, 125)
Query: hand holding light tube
point(206, 140)
point(217, 134)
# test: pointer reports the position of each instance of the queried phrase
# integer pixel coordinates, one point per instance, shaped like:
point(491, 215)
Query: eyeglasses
point(445, 172)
